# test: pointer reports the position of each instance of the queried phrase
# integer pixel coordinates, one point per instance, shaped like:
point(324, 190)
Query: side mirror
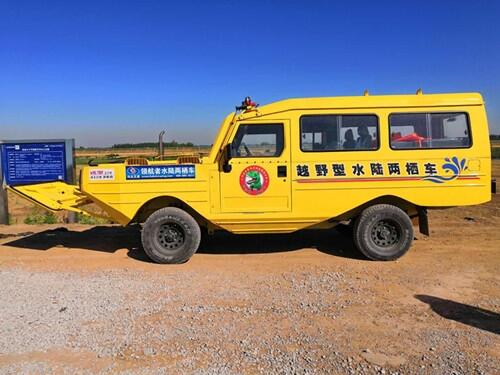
point(228, 151)
point(226, 167)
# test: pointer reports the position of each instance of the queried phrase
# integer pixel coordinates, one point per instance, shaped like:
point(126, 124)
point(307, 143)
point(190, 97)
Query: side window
point(259, 140)
point(429, 130)
point(338, 132)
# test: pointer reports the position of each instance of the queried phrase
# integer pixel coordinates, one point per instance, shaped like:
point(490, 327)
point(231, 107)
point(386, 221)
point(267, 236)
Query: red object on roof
point(248, 102)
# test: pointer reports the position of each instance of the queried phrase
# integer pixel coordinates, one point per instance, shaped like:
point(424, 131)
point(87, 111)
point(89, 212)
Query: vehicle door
point(257, 176)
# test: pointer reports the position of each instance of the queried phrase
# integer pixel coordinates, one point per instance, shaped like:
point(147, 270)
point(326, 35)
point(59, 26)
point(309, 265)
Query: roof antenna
point(366, 92)
point(419, 91)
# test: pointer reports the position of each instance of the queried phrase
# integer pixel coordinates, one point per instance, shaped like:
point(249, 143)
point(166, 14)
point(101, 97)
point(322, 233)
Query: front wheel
point(383, 232)
point(170, 235)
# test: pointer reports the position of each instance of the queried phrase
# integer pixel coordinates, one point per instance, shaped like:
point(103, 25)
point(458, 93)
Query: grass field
point(22, 211)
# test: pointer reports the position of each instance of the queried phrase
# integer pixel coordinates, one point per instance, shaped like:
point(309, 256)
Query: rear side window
point(429, 130)
point(258, 140)
point(338, 133)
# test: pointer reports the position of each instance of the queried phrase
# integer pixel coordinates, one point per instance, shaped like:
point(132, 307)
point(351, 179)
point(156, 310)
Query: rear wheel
point(170, 235)
point(383, 232)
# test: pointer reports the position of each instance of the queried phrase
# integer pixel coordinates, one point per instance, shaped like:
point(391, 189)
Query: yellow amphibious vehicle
point(376, 161)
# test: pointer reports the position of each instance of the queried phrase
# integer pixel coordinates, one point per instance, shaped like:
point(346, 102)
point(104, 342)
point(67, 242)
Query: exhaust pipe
point(161, 152)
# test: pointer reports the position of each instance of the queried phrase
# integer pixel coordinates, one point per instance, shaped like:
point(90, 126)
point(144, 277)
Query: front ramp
point(54, 196)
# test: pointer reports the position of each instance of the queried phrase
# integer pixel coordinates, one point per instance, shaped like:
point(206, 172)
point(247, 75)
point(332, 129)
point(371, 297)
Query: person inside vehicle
point(349, 142)
point(365, 139)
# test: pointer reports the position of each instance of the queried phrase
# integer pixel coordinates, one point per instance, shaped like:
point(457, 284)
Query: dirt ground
point(84, 299)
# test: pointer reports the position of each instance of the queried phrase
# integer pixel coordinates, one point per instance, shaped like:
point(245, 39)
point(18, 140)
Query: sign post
point(25, 162)
point(4, 203)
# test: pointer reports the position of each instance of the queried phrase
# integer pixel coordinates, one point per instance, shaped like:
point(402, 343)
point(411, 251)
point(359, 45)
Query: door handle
point(281, 170)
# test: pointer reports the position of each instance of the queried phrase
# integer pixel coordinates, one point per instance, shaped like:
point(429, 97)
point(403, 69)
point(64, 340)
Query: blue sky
point(106, 72)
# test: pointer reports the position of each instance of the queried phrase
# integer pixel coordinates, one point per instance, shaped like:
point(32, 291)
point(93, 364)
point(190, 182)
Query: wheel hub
point(171, 236)
point(385, 233)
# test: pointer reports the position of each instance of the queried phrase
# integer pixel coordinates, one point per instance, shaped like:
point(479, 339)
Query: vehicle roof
point(373, 101)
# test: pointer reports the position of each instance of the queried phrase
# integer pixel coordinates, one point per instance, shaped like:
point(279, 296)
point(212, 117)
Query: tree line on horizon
point(152, 145)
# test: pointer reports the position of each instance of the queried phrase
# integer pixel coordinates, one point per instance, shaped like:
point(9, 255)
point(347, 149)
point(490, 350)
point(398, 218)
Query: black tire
point(383, 232)
point(170, 235)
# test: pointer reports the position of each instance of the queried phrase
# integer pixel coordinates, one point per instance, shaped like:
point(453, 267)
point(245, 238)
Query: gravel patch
point(61, 309)
point(134, 322)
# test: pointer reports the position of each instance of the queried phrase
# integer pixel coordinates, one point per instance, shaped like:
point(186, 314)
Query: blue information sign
point(160, 172)
point(27, 163)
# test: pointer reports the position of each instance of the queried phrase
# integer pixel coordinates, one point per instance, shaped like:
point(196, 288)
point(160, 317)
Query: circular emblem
point(254, 180)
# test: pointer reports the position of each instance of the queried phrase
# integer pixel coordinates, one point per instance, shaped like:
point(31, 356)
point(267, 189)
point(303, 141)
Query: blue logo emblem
point(453, 166)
